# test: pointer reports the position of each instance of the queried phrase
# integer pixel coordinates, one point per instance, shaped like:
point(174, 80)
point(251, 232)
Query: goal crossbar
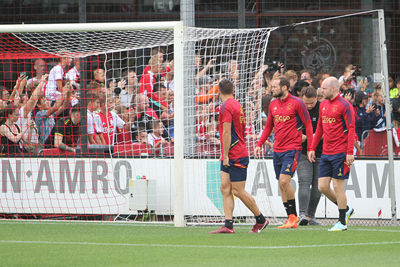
point(89, 27)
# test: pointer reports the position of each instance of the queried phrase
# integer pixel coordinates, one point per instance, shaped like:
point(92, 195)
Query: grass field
point(116, 244)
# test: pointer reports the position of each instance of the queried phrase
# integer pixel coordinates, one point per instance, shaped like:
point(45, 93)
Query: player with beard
point(287, 116)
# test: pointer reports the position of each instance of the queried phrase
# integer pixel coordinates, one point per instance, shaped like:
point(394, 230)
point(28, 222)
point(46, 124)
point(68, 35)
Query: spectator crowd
point(43, 114)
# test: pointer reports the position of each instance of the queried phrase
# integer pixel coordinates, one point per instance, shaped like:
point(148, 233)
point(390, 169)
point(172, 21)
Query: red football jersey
point(336, 122)
point(231, 111)
point(287, 117)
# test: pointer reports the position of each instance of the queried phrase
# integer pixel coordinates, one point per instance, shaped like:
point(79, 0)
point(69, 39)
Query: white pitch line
point(193, 246)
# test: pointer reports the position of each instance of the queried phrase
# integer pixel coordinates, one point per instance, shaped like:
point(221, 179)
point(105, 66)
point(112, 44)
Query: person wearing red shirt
point(287, 116)
point(234, 161)
point(110, 120)
point(336, 122)
point(148, 81)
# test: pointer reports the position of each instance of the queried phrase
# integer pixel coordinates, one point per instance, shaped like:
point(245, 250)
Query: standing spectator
point(321, 77)
point(44, 118)
point(200, 71)
point(149, 80)
point(155, 138)
point(141, 115)
point(309, 194)
point(168, 116)
point(11, 134)
point(73, 75)
point(141, 137)
point(66, 133)
point(25, 116)
point(94, 127)
point(111, 122)
point(40, 67)
point(157, 54)
point(306, 76)
point(393, 89)
point(53, 88)
point(380, 109)
point(348, 77)
point(365, 117)
point(99, 76)
point(291, 75)
point(130, 87)
point(169, 76)
point(396, 110)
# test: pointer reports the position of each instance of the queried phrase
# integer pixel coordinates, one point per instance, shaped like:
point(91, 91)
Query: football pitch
point(125, 244)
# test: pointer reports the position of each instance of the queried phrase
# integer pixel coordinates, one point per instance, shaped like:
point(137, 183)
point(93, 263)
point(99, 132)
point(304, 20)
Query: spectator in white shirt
point(53, 88)
point(40, 67)
point(94, 125)
point(155, 138)
point(73, 75)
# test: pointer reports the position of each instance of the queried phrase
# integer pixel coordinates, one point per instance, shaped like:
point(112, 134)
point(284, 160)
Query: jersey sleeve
point(267, 129)
point(227, 115)
point(350, 123)
point(119, 123)
point(58, 73)
point(98, 124)
point(90, 126)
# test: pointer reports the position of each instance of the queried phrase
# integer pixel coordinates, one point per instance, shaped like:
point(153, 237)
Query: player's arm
point(226, 141)
point(349, 119)
point(265, 134)
point(316, 139)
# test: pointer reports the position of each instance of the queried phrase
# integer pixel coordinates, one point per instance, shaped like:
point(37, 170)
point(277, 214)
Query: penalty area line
point(41, 242)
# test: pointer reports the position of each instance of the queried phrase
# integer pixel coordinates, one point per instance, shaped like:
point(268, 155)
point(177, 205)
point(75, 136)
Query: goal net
point(120, 120)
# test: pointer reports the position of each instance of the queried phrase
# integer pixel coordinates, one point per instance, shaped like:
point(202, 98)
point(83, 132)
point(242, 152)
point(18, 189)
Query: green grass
point(116, 244)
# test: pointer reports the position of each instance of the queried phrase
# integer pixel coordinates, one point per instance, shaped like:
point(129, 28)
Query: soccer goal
point(126, 121)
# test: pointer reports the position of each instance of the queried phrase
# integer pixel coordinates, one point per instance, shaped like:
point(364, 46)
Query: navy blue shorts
point(286, 162)
point(334, 166)
point(237, 169)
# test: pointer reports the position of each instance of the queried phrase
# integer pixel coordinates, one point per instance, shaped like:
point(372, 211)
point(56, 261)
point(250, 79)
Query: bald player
point(336, 123)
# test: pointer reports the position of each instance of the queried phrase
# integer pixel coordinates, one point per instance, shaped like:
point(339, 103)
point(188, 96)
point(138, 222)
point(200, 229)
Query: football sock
point(292, 206)
point(286, 205)
point(229, 224)
point(342, 216)
point(347, 207)
point(260, 219)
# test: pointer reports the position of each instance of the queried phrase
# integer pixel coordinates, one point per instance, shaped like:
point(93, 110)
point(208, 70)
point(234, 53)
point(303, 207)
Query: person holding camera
point(379, 108)
point(349, 76)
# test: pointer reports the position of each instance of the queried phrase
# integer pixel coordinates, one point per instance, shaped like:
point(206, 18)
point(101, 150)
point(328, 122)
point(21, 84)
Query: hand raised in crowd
point(211, 63)
point(364, 84)
point(349, 75)
point(348, 96)
point(369, 109)
point(121, 84)
point(44, 77)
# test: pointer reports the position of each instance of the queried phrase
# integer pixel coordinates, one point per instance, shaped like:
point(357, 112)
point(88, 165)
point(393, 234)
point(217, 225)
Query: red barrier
point(376, 144)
